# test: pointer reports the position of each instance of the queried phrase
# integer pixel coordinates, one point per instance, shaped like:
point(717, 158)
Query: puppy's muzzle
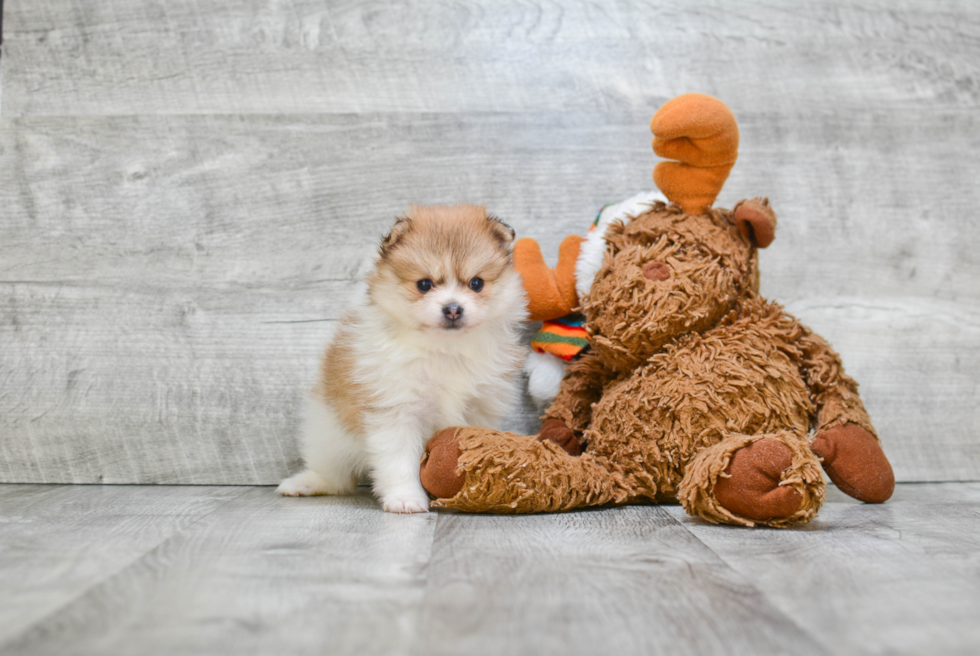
point(453, 313)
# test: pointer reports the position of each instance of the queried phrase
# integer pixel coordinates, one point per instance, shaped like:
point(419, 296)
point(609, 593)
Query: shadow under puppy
point(435, 343)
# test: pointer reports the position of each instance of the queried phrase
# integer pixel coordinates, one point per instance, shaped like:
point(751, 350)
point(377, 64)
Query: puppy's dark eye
point(476, 284)
point(424, 285)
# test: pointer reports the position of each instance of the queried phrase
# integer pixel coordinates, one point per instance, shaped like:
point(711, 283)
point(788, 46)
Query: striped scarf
point(564, 337)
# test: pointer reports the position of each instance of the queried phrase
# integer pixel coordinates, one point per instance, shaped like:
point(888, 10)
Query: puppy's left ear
point(503, 233)
point(397, 233)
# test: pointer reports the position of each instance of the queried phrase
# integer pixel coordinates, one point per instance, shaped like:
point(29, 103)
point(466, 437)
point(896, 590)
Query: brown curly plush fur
point(684, 372)
point(695, 390)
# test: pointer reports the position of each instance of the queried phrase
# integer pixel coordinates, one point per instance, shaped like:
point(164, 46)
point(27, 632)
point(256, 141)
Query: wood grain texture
point(257, 200)
point(897, 578)
point(160, 570)
point(880, 199)
point(615, 581)
point(56, 542)
point(162, 385)
point(193, 190)
point(154, 386)
point(172, 259)
point(170, 277)
point(261, 575)
point(185, 57)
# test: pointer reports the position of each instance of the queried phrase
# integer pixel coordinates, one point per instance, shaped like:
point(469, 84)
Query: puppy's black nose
point(453, 311)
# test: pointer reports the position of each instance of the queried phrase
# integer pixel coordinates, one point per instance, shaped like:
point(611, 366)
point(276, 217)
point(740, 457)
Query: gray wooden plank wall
point(192, 191)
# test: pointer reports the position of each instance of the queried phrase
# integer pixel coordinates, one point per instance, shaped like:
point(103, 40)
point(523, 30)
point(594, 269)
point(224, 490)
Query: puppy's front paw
point(304, 484)
point(405, 503)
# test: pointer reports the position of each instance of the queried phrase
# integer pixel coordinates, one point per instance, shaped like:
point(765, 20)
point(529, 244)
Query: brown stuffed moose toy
point(694, 388)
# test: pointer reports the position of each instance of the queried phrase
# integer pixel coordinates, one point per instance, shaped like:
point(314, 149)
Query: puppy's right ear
point(398, 231)
point(502, 232)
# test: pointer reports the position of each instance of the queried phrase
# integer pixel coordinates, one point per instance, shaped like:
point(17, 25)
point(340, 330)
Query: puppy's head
point(446, 268)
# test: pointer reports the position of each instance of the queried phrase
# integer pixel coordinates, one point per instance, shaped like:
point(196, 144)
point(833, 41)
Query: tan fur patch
point(461, 241)
point(337, 385)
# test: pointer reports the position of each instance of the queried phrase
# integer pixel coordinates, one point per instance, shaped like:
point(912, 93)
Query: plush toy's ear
point(701, 134)
point(401, 228)
point(756, 221)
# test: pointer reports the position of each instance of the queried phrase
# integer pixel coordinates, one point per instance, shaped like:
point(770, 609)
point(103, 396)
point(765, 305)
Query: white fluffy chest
point(436, 381)
point(438, 388)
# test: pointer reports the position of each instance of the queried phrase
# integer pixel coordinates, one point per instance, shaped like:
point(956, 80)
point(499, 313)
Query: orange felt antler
point(550, 293)
point(699, 132)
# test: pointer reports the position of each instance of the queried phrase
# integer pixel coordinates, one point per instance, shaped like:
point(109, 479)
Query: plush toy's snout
point(656, 271)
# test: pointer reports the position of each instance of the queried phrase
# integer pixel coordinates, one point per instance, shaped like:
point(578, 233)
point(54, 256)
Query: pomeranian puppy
point(435, 343)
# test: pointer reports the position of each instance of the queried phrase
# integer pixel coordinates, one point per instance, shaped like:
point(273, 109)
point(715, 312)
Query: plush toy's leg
point(845, 439)
point(483, 470)
point(855, 462)
point(772, 479)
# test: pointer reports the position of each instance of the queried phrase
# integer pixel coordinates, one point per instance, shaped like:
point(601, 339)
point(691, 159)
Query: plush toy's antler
point(550, 292)
point(696, 130)
point(699, 132)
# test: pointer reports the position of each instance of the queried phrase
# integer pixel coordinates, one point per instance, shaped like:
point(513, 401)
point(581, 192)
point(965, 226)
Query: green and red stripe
point(564, 337)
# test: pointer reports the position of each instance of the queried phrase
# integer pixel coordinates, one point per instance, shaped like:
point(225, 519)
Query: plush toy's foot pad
point(855, 462)
point(555, 430)
point(439, 465)
point(752, 487)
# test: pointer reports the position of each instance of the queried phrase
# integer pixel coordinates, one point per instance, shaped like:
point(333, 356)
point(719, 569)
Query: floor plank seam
point(416, 643)
point(776, 606)
point(46, 617)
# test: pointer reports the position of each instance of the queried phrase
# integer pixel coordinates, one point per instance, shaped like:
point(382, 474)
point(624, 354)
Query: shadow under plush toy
point(694, 388)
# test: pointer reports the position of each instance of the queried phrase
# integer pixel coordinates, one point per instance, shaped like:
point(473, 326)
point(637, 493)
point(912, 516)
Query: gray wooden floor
point(192, 190)
point(239, 570)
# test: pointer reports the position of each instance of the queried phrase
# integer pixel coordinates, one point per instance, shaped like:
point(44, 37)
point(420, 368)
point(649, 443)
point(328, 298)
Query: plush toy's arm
point(581, 387)
point(833, 392)
point(845, 440)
